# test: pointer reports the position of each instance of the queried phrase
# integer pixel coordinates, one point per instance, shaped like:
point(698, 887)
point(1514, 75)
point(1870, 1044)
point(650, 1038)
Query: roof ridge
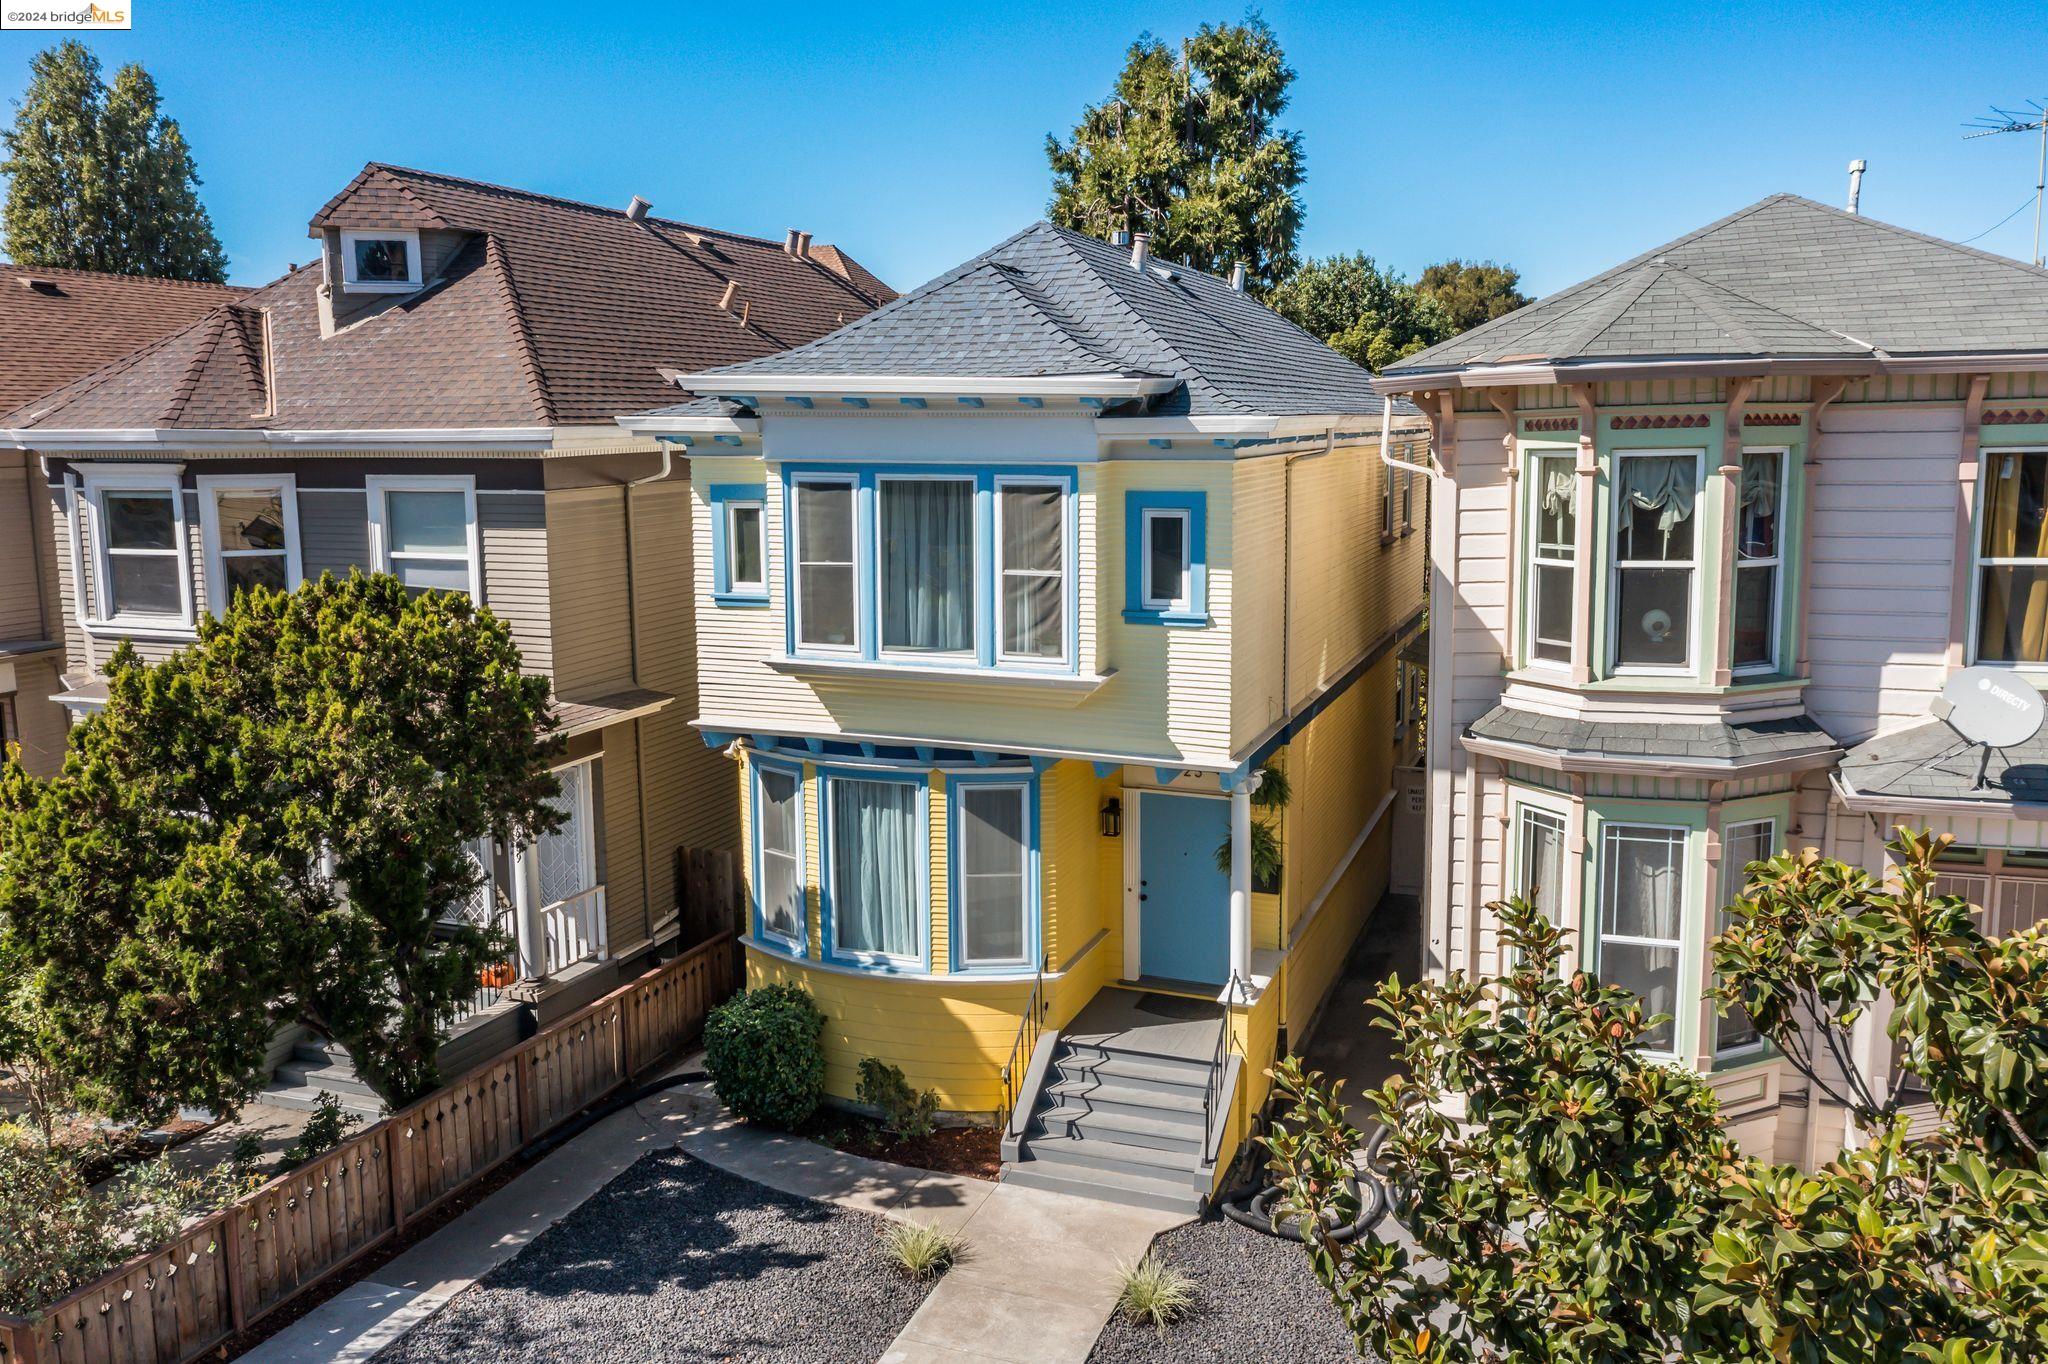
point(1989, 256)
point(1702, 292)
point(1186, 368)
point(1795, 319)
point(1055, 316)
point(188, 382)
point(529, 358)
point(1604, 310)
point(117, 276)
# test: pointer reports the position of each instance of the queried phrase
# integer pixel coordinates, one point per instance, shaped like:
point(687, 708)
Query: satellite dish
point(1996, 707)
point(1991, 707)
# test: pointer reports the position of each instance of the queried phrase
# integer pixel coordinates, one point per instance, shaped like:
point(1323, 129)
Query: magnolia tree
point(1589, 1206)
point(266, 828)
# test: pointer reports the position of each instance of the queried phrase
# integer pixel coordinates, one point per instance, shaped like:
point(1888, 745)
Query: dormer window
point(386, 262)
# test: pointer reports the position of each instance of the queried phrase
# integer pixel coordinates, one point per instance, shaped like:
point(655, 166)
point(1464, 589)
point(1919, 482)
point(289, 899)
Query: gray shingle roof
point(1741, 744)
point(1930, 761)
point(1049, 301)
point(1785, 277)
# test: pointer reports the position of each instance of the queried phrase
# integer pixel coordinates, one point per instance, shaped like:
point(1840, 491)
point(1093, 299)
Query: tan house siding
point(512, 531)
point(334, 532)
point(588, 593)
point(625, 872)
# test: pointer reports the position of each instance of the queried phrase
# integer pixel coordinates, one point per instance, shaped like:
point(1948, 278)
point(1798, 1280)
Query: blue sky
point(912, 133)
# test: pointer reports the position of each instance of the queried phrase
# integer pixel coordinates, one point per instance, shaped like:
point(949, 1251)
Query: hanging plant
point(1266, 863)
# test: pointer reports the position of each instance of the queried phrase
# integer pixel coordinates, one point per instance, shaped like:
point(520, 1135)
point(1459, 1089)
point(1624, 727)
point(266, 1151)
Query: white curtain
point(1665, 484)
point(927, 565)
point(1559, 491)
point(877, 869)
point(1760, 484)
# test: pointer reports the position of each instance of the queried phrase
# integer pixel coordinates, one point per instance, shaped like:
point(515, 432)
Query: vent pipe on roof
point(789, 241)
point(1856, 169)
point(1237, 277)
point(725, 299)
point(1141, 249)
point(637, 210)
point(803, 244)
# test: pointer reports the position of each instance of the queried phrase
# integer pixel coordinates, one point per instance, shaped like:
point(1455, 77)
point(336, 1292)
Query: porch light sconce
point(1113, 818)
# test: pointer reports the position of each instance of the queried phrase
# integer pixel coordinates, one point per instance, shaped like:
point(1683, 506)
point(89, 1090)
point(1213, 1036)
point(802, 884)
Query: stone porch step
point(1117, 1129)
point(1159, 1075)
point(1130, 1191)
point(1106, 1096)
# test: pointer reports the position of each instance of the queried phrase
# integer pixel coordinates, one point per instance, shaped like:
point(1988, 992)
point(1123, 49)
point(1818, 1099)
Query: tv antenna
point(2033, 119)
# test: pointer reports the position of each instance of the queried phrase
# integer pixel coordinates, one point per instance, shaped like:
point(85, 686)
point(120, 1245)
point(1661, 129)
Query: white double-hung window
point(142, 578)
point(1751, 840)
point(1540, 860)
point(1656, 559)
point(780, 880)
point(827, 588)
point(992, 861)
point(879, 855)
point(423, 531)
point(1166, 559)
point(1642, 906)
point(924, 545)
point(1031, 570)
point(1760, 499)
point(1553, 555)
point(2012, 559)
point(250, 526)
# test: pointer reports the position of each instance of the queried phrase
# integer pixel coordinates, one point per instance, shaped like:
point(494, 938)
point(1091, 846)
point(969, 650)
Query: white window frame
point(1025, 882)
point(1601, 937)
point(1988, 464)
point(796, 943)
point(976, 624)
point(733, 582)
point(1525, 811)
point(1731, 883)
point(1407, 499)
point(1146, 596)
point(150, 479)
point(349, 282)
point(376, 486)
point(1533, 459)
point(1691, 566)
point(793, 542)
point(1775, 563)
point(828, 871)
point(584, 819)
point(1065, 573)
point(211, 486)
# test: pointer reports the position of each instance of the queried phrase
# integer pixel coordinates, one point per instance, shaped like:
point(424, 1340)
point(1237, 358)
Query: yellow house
point(1026, 605)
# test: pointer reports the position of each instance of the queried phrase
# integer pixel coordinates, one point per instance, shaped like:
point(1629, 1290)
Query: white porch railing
point(575, 930)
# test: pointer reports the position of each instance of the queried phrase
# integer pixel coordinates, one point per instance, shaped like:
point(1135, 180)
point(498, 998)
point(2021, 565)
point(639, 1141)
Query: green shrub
point(906, 1112)
point(765, 1053)
point(324, 1130)
point(920, 1252)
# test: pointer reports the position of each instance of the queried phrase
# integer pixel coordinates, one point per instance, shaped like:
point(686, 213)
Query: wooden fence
point(710, 894)
point(180, 1300)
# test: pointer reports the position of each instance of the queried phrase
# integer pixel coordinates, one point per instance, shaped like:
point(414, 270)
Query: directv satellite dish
point(1994, 707)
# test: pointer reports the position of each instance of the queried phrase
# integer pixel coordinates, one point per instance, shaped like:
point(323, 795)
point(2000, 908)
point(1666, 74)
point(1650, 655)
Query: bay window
point(1641, 916)
point(1655, 559)
point(251, 530)
point(877, 857)
point(826, 609)
point(992, 861)
point(933, 568)
point(1760, 499)
point(925, 546)
point(1553, 555)
point(779, 874)
point(1751, 840)
point(2012, 559)
point(1032, 571)
point(423, 531)
point(141, 577)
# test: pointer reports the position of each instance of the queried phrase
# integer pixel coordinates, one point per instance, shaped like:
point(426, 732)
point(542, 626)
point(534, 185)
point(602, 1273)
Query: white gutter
point(989, 386)
point(655, 422)
point(122, 438)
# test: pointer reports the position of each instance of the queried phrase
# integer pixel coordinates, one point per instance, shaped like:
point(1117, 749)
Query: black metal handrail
point(1021, 1049)
point(1219, 1063)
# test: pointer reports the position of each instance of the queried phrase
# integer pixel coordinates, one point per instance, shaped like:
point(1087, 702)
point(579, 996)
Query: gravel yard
point(676, 1260)
point(1258, 1303)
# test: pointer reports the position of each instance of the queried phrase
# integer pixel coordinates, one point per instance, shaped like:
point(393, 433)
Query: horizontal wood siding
point(625, 871)
point(588, 590)
point(512, 529)
point(334, 532)
point(21, 604)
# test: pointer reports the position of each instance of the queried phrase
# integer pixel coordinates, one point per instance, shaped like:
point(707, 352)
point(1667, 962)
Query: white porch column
point(1241, 878)
point(533, 932)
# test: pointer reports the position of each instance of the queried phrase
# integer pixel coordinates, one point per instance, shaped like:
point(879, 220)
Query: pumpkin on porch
point(497, 975)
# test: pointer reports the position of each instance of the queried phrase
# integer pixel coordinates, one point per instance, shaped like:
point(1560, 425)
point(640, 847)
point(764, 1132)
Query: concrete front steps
point(317, 1066)
point(1116, 1122)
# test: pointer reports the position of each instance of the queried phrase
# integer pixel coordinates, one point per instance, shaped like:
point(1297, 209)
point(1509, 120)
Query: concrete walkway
point(1036, 1282)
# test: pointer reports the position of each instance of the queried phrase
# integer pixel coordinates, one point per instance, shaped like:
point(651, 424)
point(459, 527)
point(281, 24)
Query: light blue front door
point(1183, 900)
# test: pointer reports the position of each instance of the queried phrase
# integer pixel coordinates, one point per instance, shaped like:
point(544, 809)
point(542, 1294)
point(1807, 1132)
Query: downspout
point(633, 660)
point(78, 584)
point(1386, 449)
point(41, 498)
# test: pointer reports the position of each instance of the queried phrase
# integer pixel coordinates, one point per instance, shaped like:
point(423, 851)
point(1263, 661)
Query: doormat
point(1178, 1008)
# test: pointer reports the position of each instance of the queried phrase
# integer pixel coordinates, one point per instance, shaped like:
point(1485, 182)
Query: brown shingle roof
point(80, 320)
point(554, 312)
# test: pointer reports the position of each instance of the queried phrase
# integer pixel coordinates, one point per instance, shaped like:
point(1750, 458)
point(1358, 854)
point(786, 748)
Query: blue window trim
point(1196, 505)
point(721, 495)
point(882, 965)
point(986, 479)
point(798, 947)
point(956, 936)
